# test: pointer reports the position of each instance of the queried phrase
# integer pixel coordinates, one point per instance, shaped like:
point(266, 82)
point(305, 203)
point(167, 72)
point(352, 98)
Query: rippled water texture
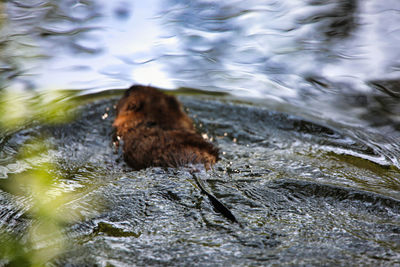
point(299, 198)
point(302, 97)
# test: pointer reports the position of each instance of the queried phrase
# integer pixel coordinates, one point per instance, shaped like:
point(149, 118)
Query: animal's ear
point(172, 102)
point(132, 89)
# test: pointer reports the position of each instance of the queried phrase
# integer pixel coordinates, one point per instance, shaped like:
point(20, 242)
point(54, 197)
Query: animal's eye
point(131, 106)
point(135, 106)
point(151, 124)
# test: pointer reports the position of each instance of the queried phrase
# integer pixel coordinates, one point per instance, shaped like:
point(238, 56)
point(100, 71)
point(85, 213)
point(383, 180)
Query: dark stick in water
point(215, 202)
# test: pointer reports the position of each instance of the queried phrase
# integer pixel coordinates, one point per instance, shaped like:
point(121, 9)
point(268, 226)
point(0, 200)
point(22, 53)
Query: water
point(302, 97)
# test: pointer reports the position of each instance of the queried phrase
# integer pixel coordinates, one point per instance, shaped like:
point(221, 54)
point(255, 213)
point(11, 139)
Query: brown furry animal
point(156, 132)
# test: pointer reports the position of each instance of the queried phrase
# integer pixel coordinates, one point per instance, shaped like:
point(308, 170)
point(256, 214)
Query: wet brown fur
point(156, 132)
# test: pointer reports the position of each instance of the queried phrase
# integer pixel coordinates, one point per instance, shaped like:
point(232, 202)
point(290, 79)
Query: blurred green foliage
point(46, 202)
point(22, 108)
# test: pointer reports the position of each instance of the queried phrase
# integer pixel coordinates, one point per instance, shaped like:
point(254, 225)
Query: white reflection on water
point(370, 51)
point(126, 43)
point(252, 48)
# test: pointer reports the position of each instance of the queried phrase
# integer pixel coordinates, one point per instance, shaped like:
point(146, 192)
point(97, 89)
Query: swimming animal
point(156, 132)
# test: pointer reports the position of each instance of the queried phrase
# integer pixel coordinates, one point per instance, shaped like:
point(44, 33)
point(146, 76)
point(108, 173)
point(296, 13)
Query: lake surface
point(301, 97)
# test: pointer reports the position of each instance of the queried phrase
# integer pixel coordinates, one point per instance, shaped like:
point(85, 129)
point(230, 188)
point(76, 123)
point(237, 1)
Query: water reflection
point(37, 32)
point(318, 56)
point(73, 44)
point(258, 43)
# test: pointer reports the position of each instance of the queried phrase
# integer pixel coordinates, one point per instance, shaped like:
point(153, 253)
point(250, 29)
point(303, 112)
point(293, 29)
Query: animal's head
point(145, 106)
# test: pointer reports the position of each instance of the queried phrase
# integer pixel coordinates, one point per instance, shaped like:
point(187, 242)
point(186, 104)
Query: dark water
point(299, 198)
point(308, 128)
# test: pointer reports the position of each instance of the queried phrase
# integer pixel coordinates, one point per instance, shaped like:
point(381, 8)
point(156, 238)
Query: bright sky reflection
point(135, 36)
